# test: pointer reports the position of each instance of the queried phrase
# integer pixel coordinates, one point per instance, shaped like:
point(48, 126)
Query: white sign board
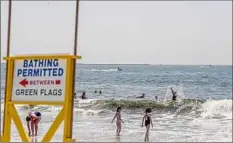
point(39, 80)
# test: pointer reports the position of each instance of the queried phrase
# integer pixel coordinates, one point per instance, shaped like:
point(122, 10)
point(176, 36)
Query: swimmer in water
point(118, 121)
point(148, 122)
point(142, 96)
point(119, 69)
point(83, 96)
point(34, 118)
point(75, 95)
point(174, 95)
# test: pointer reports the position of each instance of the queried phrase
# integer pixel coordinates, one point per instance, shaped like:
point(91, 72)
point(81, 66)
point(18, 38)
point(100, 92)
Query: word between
point(38, 92)
point(26, 82)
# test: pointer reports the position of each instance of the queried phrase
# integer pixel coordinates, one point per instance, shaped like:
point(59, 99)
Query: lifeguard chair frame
point(66, 113)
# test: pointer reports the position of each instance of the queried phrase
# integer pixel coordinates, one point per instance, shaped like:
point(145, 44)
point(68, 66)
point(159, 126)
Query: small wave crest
point(101, 70)
point(217, 109)
point(90, 112)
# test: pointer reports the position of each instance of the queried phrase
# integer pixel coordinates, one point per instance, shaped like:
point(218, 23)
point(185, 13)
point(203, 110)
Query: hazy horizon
point(3, 62)
point(124, 32)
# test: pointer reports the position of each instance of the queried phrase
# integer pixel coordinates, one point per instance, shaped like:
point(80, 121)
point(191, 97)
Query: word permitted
point(40, 68)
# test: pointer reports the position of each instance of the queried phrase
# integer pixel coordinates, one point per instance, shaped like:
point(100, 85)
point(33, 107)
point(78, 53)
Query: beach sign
point(39, 80)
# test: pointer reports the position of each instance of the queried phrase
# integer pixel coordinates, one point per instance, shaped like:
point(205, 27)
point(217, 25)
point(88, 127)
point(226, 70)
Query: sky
point(123, 32)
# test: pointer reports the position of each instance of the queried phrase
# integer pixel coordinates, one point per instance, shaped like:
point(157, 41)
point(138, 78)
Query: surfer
point(118, 121)
point(34, 118)
point(142, 96)
point(156, 97)
point(174, 95)
point(148, 122)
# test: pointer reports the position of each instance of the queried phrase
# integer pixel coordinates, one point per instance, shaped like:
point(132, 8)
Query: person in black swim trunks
point(34, 118)
point(148, 122)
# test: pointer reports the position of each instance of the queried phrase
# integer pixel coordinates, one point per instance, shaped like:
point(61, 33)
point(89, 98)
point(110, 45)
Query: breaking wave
point(199, 108)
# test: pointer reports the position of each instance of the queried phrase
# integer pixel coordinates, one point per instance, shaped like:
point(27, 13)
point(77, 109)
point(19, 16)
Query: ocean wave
point(195, 107)
point(142, 104)
point(217, 109)
point(198, 108)
point(90, 112)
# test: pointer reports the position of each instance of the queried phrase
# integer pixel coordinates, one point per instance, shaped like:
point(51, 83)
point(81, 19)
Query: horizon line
point(149, 64)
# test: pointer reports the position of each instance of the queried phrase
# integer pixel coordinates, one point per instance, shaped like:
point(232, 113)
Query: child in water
point(148, 122)
point(118, 121)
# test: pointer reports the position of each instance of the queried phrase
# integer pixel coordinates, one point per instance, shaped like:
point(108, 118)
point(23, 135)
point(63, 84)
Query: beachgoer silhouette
point(142, 96)
point(83, 96)
point(173, 94)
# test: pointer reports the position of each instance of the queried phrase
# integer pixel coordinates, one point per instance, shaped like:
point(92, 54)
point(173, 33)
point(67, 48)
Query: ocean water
point(203, 111)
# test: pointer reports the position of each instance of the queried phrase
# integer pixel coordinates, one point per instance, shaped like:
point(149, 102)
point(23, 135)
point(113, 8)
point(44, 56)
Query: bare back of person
point(118, 121)
point(118, 116)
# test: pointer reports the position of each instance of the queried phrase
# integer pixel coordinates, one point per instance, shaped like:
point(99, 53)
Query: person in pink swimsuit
point(118, 120)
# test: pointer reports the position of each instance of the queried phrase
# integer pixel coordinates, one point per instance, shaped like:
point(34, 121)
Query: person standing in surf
point(119, 120)
point(148, 122)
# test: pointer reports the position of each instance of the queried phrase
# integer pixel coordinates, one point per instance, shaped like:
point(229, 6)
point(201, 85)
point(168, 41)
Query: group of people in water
point(34, 118)
point(146, 121)
point(83, 96)
point(174, 95)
